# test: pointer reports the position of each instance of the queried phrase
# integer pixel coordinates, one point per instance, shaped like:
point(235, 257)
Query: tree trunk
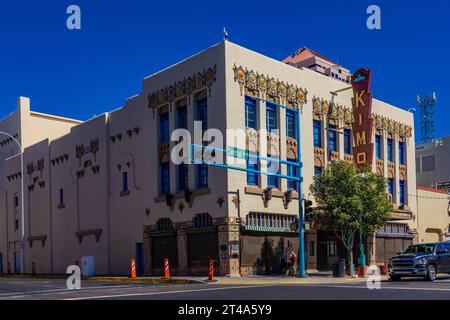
point(350, 269)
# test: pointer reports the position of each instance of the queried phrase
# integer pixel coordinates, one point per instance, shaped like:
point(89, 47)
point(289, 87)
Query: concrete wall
point(433, 221)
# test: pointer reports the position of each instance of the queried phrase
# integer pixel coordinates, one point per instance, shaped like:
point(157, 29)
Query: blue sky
point(83, 73)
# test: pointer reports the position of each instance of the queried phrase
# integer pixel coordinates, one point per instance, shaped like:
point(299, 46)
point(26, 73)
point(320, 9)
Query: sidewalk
point(220, 280)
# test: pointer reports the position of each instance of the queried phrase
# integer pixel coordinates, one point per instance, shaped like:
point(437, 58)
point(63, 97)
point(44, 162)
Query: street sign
point(237, 153)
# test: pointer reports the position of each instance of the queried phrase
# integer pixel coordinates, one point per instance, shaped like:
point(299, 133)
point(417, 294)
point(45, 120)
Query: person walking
point(292, 259)
point(284, 261)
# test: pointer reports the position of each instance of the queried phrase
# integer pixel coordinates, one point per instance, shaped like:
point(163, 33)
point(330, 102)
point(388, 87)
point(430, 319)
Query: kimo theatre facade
point(107, 187)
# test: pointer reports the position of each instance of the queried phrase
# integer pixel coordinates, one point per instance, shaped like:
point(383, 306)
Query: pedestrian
point(292, 258)
point(284, 261)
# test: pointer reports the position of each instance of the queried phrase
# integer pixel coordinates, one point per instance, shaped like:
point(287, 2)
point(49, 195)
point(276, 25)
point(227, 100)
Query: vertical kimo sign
point(363, 121)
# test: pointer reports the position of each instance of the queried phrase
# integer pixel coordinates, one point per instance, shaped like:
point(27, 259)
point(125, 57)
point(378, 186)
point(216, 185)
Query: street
point(55, 289)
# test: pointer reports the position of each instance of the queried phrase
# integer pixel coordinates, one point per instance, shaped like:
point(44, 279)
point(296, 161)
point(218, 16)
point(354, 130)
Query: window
point(252, 177)
point(390, 150)
point(292, 171)
point(164, 127)
point(401, 153)
point(16, 224)
point(250, 113)
point(181, 177)
point(317, 133)
point(311, 249)
point(61, 197)
point(182, 117)
point(273, 181)
point(202, 114)
point(165, 178)
point(16, 201)
point(428, 164)
point(271, 117)
point(124, 181)
point(202, 175)
point(317, 171)
point(391, 187)
point(378, 147)
point(332, 248)
point(402, 192)
point(291, 124)
point(347, 141)
point(332, 138)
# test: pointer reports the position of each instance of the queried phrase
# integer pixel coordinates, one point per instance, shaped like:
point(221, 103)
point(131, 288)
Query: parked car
point(421, 260)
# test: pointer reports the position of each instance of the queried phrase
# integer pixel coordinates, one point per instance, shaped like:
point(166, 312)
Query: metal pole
point(362, 255)
point(301, 227)
point(22, 173)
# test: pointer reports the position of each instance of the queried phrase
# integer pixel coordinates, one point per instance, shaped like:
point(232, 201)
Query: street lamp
point(22, 242)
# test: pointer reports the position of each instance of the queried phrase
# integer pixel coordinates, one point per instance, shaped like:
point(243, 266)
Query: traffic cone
point(211, 270)
point(133, 268)
point(166, 268)
point(33, 268)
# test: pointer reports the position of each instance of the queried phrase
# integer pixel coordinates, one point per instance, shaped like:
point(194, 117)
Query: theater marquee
point(363, 122)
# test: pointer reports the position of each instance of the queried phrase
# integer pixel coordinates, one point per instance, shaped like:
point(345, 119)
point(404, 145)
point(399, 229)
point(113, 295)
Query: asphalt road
point(36, 289)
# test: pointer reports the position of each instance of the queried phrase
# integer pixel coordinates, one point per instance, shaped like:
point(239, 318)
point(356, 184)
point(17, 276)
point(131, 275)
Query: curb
point(109, 279)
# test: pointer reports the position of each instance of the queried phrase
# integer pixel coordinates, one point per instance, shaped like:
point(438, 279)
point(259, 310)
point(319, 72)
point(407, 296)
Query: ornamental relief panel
point(185, 87)
point(392, 126)
point(335, 112)
point(267, 87)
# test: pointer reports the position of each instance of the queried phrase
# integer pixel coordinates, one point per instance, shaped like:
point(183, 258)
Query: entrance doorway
point(17, 262)
point(139, 258)
point(329, 250)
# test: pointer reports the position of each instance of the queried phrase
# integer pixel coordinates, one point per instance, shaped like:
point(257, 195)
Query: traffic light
point(308, 210)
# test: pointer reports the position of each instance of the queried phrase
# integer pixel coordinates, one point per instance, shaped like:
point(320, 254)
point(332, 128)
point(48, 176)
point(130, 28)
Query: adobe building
point(106, 187)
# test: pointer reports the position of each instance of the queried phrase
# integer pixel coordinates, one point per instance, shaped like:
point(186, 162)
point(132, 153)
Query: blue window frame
point(292, 171)
point(317, 127)
point(317, 170)
point(165, 177)
point(250, 113)
point(390, 150)
point(271, 117)
point(378, 147)
point(182, 117)
point(61, 196)
point(291, 124)
point(252, 177)
point(181, 176)
point(164, 127)
point(332, 138)
point(273, 181)
point(401, 152)
point(202, 175)
point(402, 192)
point(202, 114)
point(347, 141)
point(391, 186)
point(125, 181)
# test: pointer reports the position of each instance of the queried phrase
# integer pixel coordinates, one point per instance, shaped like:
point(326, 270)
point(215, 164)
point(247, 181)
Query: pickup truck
point(421, 260)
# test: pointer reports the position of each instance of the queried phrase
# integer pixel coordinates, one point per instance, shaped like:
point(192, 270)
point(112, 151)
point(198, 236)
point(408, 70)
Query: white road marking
point(63, 290)
point(166, 292)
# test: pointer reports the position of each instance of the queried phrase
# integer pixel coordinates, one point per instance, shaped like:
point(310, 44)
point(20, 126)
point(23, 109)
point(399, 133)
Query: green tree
point(343, 193)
